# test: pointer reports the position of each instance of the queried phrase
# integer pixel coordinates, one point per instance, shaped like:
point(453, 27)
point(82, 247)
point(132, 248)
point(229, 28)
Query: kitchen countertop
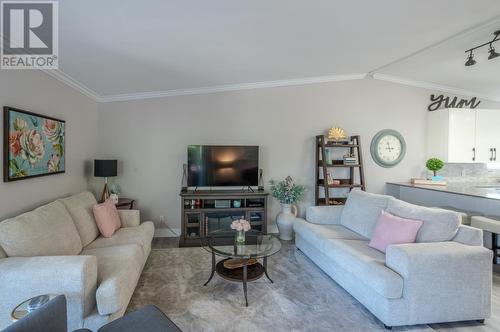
point(483, 190)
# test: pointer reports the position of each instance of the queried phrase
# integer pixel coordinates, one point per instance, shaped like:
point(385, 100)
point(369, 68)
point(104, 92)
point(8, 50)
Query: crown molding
point(433, 86)
point(230, 87)
point(68, 80)
point(71, 82)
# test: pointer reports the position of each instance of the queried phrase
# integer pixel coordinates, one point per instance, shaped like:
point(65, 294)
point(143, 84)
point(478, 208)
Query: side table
point(125, 203)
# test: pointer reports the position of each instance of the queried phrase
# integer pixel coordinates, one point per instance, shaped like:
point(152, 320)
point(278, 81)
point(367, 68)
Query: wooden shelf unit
point(204, 211)
point(324, 167)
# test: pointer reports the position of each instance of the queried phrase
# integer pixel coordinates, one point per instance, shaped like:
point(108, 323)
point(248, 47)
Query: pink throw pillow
point(391, 229)
point(107, 218)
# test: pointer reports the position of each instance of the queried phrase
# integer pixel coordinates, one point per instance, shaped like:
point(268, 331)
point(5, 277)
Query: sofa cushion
point(326, 215)
point(118, 270)
point(439, 225)
point(367, 265)
point(80, 208)
point(362, 210)
point(141, 235)
point(107, 218)
point(45, 231)
point(391, 229)
point(318, 234)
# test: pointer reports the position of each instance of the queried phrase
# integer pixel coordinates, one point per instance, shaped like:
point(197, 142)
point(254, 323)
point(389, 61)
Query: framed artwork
point(33, 145)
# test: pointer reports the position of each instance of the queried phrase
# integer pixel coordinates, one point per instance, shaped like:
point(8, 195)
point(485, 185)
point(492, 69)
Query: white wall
point(149, 137)
point(35, 91)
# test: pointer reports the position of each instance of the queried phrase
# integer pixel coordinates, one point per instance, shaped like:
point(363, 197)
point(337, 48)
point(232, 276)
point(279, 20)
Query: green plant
point(434, 165)
point(286, 191)
point(115, 188)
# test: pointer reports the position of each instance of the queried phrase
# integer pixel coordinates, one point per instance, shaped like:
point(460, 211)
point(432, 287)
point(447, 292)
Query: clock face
point(388, 148)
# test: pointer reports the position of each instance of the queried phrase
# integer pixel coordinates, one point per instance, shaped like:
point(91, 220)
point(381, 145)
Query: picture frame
point(33, 145)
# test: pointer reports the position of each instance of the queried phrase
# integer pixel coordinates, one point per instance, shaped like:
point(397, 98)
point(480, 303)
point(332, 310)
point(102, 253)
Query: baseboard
point(166, 232)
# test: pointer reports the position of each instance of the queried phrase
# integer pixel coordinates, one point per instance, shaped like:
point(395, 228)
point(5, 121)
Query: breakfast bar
point(478, 199)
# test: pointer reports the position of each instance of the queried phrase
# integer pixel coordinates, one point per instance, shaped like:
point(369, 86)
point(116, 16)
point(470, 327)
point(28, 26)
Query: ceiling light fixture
point(470, 60)
point(493, 54)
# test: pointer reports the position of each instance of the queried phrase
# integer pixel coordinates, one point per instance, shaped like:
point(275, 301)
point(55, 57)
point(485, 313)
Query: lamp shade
point(105, 168)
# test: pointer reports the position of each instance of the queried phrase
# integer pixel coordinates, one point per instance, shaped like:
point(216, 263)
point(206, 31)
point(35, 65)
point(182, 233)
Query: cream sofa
point(446, 276)
point(57, 248)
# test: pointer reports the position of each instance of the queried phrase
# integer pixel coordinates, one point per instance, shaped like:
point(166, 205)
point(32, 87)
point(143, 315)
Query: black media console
point(204, 211)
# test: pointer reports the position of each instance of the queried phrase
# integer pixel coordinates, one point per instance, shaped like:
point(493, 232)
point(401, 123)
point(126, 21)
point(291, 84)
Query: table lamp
point(104, 169)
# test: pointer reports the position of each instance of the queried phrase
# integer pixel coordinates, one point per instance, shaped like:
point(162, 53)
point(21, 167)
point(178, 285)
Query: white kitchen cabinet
point(487, 135)
point(464, 135)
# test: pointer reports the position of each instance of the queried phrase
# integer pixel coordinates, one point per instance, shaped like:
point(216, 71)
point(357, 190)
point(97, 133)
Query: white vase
point(285, 221)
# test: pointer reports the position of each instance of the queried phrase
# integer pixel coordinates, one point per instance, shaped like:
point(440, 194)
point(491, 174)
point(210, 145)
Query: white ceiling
point(444, 64)
point(128, 47)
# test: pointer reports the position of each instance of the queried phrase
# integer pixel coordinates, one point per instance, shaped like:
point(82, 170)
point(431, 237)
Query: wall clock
point(388, 148)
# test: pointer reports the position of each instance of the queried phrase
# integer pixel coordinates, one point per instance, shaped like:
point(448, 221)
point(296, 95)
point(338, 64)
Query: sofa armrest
point(130, 218)
point(325, 215)
point(469, 235)
point(24, 277)
point(457, 276)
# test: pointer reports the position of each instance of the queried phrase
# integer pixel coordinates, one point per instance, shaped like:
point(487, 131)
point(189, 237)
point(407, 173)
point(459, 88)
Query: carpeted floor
point(302, 297)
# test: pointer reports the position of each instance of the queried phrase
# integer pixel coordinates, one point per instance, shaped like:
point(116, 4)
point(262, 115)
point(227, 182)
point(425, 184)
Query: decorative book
point(428, 182)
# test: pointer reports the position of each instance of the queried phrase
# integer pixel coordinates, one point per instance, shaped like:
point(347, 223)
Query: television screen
point(222, 165)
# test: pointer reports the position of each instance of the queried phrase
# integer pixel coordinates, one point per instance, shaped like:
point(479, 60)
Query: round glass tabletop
point(257, 244)
point(30, 305)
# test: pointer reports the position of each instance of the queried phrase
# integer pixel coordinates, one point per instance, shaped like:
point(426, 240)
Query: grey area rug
point(302, 297)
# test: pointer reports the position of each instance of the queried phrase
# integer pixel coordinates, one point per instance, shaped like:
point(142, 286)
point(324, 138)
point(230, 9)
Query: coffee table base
point(254, 272)
point(242, 274)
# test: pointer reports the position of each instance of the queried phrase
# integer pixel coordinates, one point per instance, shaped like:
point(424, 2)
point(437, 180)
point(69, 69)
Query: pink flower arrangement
point(241, 225)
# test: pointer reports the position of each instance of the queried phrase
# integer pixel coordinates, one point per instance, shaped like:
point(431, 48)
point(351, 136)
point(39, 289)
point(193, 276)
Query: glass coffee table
point(240, 261)
point(30, 305)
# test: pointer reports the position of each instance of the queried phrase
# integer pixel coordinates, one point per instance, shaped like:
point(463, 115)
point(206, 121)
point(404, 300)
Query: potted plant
point(434, 165)
point(115, 190)
point(287, 193)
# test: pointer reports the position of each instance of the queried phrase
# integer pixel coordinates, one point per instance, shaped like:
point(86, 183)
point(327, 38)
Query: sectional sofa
point(57, 249)
point(445, 276)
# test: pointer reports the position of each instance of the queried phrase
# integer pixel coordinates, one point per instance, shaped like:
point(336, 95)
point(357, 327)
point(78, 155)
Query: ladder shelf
point(325, 168)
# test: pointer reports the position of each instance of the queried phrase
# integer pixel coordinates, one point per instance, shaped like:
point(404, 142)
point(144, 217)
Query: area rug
point(302, 297)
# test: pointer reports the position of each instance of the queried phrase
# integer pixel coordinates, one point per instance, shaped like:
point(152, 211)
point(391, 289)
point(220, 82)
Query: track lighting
point(470, 60)
point(493, 54)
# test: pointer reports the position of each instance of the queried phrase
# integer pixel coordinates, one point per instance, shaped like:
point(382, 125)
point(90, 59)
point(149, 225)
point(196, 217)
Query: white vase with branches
point(287, 193)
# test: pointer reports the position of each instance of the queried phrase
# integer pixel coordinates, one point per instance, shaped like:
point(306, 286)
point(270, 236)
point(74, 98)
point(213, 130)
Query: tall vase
point(285, 221)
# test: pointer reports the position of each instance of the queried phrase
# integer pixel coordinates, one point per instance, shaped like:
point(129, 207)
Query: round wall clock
point(388, 148)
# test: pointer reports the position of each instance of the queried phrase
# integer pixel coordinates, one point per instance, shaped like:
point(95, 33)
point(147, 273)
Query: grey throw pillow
point(439, 225)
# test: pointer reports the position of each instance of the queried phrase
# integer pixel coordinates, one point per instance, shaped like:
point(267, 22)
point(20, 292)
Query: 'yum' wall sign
point(441, 101)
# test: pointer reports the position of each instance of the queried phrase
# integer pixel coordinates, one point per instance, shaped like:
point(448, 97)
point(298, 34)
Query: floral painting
point(33, 145)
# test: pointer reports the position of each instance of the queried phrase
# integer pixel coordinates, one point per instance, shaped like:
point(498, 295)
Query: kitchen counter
point(475, 198)
point(482, 190)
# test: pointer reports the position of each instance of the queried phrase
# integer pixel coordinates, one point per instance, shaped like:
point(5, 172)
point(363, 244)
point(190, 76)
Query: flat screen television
point(223, 165)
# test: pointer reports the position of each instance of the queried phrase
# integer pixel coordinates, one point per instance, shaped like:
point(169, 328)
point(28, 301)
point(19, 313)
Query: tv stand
point(205, 211)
